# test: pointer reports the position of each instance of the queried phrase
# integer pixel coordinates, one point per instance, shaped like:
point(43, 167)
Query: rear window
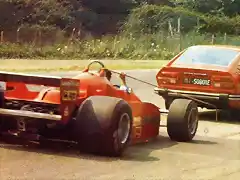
point(207, 55)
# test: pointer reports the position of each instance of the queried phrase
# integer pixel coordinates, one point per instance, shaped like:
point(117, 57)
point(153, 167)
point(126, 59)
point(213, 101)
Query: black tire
point(234, 114)
point(1, 106)
point(1, 128)
point(182, 114)
point(97, 122)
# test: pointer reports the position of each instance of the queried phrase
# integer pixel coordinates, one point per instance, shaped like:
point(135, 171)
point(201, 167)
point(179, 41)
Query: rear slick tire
point(2, 98)
point(182, 120)
point(98, 126)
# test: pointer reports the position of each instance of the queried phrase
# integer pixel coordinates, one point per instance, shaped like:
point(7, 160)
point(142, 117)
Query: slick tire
point(98, 124)
point(234, 114)
point(182, 120)
point(1, 106)
point(1, 129)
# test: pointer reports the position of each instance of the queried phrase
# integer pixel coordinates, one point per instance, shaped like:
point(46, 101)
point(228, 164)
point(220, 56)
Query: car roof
point(231, 47)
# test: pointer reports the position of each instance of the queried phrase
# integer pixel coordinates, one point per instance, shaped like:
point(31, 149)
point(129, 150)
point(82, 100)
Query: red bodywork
point(73, 91)
point(223, 90)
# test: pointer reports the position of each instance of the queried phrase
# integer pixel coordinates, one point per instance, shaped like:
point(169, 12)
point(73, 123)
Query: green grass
point(119, 52)
point(28, 65)
point(152, 46)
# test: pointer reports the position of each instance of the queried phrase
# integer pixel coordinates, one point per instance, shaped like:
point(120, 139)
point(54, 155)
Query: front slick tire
point(103, 125)
point(182, 120)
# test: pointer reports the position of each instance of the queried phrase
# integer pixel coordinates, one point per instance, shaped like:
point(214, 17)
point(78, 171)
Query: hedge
point(154, 18)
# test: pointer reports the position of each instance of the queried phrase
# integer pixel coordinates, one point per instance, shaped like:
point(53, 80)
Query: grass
point(117, 52)
point(29, 65)
point(132, 47)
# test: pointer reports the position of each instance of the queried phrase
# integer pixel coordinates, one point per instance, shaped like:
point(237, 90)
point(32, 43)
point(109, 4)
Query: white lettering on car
point(201, 82)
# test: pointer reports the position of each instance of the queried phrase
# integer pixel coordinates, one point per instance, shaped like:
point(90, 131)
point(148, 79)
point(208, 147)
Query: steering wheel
point(95, 61)
point(100, 71)
point(116, 85)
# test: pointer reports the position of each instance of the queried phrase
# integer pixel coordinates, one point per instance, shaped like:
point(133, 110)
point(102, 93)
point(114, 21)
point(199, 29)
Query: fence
point(172, 40)
point(40, 37)
point(180, 42)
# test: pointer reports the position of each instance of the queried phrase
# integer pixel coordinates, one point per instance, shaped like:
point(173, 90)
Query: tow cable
point(185, 96)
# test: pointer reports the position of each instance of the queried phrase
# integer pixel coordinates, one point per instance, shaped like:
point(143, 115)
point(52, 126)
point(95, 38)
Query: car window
point(207, 55)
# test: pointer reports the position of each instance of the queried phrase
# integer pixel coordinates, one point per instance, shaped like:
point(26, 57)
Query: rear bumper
point(29, 114)
point(217, 99)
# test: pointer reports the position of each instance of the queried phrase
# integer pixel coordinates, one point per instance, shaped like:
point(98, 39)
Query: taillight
point(167, 80)
point(225, 85)
point(167, 77)
point(223, 82)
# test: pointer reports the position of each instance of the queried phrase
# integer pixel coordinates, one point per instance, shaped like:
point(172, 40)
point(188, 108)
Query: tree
point(220, 7)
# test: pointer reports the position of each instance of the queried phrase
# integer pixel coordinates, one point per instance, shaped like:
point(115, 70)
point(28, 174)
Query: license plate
point(197, 81)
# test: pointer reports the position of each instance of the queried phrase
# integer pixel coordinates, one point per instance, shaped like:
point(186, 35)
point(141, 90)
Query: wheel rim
point(192, 121)
point(124, 128)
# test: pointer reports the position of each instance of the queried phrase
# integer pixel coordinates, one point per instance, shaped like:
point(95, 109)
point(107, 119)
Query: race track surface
point(214, 153)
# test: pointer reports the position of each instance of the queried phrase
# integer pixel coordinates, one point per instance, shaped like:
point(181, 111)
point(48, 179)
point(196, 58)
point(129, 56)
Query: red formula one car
point(208, 73)
point(87, 109)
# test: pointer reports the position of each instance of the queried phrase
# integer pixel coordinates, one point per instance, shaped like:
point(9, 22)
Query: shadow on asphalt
point(142, 152)
point(203, 142)
point(223, 117)
point(139, 152)
point(55, 149)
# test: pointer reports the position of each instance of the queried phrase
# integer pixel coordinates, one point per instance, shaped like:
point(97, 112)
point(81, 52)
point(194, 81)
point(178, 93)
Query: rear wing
point(53, 81)
point(69, 92)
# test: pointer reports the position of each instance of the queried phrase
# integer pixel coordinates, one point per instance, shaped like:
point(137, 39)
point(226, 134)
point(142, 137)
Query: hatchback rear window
point(207, 55)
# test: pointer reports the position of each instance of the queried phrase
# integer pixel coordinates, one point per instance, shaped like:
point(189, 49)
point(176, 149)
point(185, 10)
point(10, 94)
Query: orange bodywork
point(146, 119)
point(224, 80)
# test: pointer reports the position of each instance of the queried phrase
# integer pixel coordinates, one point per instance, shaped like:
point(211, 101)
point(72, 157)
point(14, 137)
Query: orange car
point(207, 73)
point(88, 110)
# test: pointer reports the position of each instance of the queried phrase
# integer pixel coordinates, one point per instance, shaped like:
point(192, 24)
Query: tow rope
point(185, 96)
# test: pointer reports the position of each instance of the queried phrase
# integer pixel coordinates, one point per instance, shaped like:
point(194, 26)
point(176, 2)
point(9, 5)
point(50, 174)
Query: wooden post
point(225, 38)
point(179, 32)
point(17, 38)
point(198, 22)
point(79, 33)
point(170, 28)
point(73, 32)
point(213, 39)
point(72, 35)
point(2, 34)
point(179, 24)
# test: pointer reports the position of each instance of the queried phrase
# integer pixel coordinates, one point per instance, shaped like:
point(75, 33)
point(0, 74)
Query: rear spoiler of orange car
point(69, 91)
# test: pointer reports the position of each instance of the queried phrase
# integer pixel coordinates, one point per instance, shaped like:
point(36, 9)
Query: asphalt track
point(214, 153)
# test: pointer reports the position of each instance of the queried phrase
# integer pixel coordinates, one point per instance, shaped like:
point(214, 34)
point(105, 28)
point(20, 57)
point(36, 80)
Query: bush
point(152, 46)
point(216, 24)
point(151, 19)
